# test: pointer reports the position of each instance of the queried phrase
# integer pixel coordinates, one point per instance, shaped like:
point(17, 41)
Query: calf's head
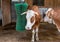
point(30, 20)
point(30, 17)
point(49, 12)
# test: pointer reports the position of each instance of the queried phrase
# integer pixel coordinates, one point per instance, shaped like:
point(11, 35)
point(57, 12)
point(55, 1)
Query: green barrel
point(21, 19)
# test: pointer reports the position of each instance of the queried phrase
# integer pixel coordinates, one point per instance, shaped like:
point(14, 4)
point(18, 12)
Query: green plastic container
point(21, 19)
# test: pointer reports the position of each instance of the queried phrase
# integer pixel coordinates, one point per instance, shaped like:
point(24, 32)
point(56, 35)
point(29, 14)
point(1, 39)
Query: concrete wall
point(0, 14)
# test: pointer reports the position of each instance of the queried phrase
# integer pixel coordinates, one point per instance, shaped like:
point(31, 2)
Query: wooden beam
point(52, 3)
point(6, 12)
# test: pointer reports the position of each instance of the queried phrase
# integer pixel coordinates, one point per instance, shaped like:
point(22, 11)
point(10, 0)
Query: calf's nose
point(28, 28)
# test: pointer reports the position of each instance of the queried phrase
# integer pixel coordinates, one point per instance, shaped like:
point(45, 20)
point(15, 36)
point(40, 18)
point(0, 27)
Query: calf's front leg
point(37, 34)
point(33, 33)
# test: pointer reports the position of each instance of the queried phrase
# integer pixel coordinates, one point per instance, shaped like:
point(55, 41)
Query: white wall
point(15, 0)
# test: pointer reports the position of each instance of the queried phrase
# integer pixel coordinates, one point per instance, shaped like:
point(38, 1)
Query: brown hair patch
point(32, 19)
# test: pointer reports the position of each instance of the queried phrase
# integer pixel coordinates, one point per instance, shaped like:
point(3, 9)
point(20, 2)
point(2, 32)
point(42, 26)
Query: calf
point(55, 15)
point(33, 20)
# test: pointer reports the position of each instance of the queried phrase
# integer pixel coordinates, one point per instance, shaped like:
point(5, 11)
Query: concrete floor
point(47, 33)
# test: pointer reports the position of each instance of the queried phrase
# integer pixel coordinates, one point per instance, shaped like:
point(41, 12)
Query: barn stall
point(47, 32)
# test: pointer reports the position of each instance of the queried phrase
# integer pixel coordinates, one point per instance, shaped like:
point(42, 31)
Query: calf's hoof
point(59, 30)
point(32, 40)
point(37, 39)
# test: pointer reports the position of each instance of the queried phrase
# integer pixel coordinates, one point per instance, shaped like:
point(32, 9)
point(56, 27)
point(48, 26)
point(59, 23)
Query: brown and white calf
point(54, 14)
point(33, 20)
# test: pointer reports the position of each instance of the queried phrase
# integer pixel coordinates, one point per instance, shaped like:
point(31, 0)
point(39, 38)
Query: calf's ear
point(53, 12)
point(36, 13)
point(23, 13)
